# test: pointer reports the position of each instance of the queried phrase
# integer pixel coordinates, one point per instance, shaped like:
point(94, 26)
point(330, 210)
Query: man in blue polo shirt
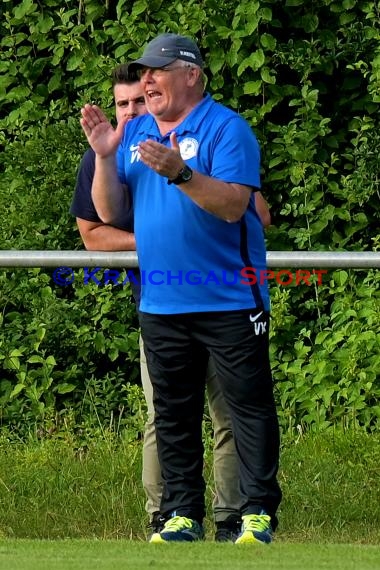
point(192, 167)
point(130, 103)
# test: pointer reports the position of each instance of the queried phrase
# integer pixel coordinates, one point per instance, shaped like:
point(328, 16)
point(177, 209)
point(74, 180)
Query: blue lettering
point(172, 277)
point(236, 277)
point(211, 277)
point(131, 278)
point(150, 277)
point(196, 281)
point(90, 275)
point(111, 276)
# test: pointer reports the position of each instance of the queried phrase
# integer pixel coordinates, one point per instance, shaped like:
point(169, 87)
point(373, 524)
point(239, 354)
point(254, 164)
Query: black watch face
point(187, 174)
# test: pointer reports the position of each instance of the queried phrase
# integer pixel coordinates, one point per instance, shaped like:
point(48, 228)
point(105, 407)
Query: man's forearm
point(101, 237)
point(225, 200)
point(108, 194)
point(228, 201)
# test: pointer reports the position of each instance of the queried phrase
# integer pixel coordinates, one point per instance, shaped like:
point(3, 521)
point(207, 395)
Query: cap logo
point(166, 48)
point(187, 54)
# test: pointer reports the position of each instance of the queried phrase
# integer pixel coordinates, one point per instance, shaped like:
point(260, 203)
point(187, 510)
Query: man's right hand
point(101, 135)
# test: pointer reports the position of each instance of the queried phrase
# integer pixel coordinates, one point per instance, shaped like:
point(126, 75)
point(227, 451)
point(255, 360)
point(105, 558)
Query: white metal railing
point(288, 259)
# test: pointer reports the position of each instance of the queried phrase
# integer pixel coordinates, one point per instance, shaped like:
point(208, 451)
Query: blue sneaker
point(255, 529)
point(179, 529)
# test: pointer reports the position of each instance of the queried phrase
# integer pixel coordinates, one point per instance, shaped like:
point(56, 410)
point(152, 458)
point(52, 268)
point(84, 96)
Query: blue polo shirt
point(191, 260)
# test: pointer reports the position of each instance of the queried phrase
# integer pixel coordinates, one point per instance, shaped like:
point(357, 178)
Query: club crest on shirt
point(188, 148)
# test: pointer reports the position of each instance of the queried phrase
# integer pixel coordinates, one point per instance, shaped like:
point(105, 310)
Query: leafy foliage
point(307, 78)
point(60, 349)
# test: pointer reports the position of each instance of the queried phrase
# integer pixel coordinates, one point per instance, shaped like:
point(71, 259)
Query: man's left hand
point(163, 160)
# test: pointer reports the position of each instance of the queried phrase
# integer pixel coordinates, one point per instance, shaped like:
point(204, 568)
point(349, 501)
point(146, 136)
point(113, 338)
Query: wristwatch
point(184, 175)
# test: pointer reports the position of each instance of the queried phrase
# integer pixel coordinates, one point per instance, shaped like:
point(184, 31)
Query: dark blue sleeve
point(82, 205)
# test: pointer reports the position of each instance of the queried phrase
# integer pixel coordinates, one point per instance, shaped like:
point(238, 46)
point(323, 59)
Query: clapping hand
point(101, 135)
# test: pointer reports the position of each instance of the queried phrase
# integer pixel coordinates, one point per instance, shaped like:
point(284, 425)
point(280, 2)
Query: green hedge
point(307, 78)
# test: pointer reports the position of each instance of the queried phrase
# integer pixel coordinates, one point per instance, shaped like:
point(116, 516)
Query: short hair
point(202, 76)
point(123, 74)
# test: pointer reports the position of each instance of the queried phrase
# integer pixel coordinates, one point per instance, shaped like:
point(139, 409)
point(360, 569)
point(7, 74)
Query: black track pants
point(177, 349)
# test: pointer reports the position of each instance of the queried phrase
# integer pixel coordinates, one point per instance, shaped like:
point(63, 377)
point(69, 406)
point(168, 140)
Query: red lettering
point(250, 274)
point(284, 272)
point(265, 275)
point(303, 275)
point(319, 273)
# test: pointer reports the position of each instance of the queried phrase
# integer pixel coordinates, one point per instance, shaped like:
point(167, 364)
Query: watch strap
point(184, 175)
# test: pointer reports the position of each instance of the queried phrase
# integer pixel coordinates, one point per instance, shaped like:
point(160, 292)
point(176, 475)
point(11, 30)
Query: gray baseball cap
point(165, 49)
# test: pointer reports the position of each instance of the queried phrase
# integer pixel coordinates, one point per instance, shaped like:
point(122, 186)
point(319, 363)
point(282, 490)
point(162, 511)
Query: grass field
point(64, 507)
point(112, 555)
point(54, 489)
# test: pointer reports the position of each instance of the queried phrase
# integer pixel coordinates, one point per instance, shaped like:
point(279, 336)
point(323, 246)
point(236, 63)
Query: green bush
point(73, 348)
point(61, 350)
point(308, 82)
point(326, 366)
